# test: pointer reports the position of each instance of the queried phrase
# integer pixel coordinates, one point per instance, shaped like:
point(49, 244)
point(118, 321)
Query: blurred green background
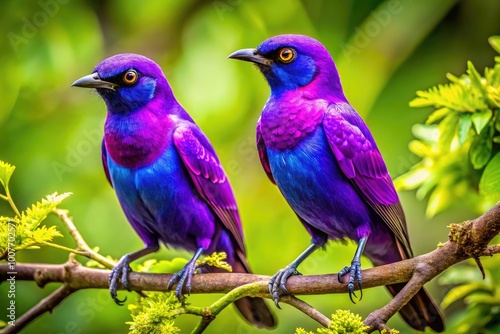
point(384, 50)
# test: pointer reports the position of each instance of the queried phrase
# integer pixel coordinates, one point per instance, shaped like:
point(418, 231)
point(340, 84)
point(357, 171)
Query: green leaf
point(462, 291)
point(495, 43)
point(490, 180)
point(447, 130)
point(437, 115)
point(6, 171)
point(428, 184)
point(464, 126)
point(481, 147)
point(476, 78)
point(411, 180)
point(425, 132)
point(39, 211)
point(483, 298)
point(420, 148)
point(481, 118)
point(439, 199)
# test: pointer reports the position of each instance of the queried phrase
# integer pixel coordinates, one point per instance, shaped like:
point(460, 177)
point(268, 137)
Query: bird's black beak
point(251, 55)
point(93, 81)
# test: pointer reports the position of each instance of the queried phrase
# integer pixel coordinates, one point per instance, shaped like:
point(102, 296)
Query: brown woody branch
point(467, 240)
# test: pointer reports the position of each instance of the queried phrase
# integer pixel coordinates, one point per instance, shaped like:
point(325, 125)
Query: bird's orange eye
point(130, 77)
point(287, 55)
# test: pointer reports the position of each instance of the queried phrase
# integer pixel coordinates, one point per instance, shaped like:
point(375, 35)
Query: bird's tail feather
point(254, 310)
point(421, 311)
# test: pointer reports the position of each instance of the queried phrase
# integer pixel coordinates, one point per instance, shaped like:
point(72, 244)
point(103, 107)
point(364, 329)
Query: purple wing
point(261, 148)
point(104, 156)
point(360, 160)
point(209, 177)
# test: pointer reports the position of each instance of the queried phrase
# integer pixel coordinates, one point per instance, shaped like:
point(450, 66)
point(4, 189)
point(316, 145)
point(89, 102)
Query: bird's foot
point(354, 276)
point(183, 280)
point(120, 271)
point(278, 283)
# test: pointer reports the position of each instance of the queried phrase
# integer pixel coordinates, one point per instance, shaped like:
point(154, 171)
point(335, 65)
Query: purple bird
point(316, 148)
point(166, 174)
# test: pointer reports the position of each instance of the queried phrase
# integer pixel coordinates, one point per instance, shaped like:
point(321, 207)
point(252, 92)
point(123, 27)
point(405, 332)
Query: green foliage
point(6, 171)
point(474, 302)
point(161, 266)
point(26, 226)
point(458, 143)
point(390, 331)
point(165, 266)
point(97, 264)
point(343, 322)
point(215, 260)
point(155, 314)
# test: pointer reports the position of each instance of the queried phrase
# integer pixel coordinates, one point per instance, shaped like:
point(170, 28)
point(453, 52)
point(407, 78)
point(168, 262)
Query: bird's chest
point(135, 142)
point(284, 125)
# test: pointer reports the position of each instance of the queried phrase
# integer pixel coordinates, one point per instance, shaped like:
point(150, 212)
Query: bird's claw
point(278, 283)
point(354, 276)
point(119, 272)
point(183, 279)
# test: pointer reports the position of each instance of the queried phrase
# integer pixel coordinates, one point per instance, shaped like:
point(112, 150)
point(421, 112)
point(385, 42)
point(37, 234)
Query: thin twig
point(8, 198)
point(306, 309)
point(80, 242)
point(45, 305)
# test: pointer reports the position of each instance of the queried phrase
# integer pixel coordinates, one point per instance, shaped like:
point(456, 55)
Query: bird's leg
point(278, 281)
point(354, 271)
point(183, 277)
point(122, 269)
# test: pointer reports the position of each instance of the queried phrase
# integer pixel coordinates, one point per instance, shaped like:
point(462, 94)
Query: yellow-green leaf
point(464, 126)
point(489, 185)
point(437, 115)
point(476, 78)
point(447, 130)
point(411, 180)
point(39, 211)
point(6, 171)
point(438, 201)
point(480, 119)
point(495, 43)
point(481, 147)
point(462, 291)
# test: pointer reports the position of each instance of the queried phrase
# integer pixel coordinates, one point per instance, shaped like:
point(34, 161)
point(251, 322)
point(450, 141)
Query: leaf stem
point(81, 243)
point(7, 197)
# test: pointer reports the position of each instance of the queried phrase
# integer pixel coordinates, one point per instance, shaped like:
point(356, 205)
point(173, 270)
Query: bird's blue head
point(127, 82)
point(289, 62)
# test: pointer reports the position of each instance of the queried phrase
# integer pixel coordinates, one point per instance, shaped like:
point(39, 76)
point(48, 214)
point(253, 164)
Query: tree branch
point(467, 240)
point(45, 305)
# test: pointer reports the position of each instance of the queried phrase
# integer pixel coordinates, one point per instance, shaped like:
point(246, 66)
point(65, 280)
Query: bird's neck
point(289, 118)
point(137, 139)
